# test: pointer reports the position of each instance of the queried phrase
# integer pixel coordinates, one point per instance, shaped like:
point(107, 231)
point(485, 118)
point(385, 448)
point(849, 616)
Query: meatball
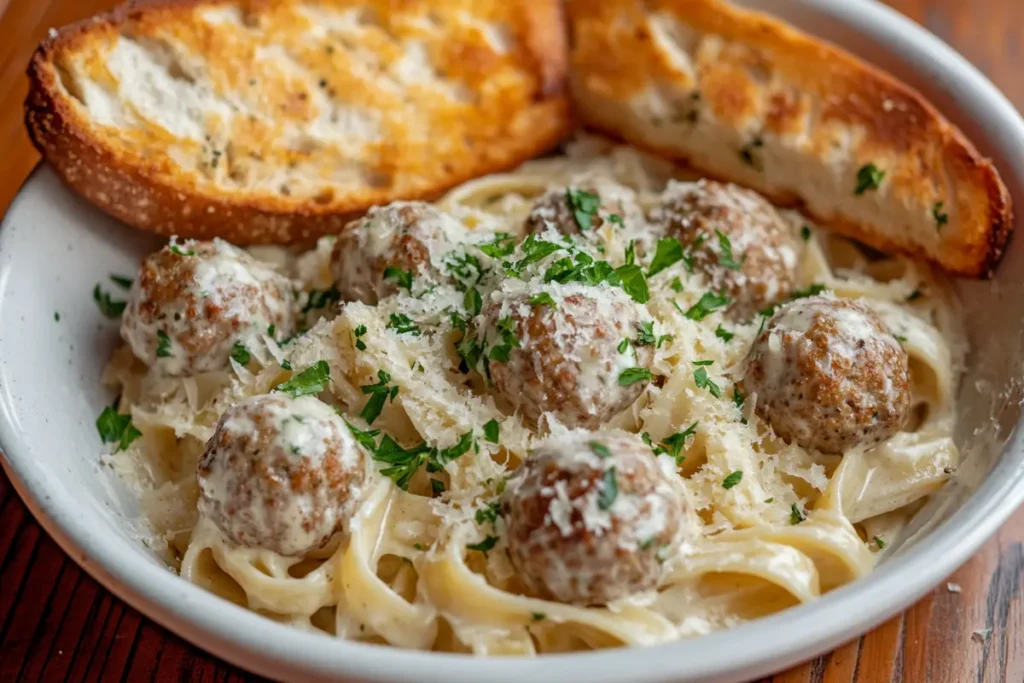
point(736, 238)
point(409, 237)
point(592, 517)
point(193, 302)
point(556, 350)
point(578, 210)
point(281, 474)
point(828, 376)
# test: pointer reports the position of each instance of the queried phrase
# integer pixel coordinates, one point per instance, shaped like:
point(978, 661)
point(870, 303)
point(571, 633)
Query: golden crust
point(748, 99)
point(305, 120)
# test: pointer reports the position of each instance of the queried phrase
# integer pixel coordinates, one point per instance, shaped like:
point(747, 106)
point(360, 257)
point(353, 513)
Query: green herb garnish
point(542, 299)
point(941, 217)
point(609, 490)
point(108, 307)
point(240, 353)
point(403, 324)
point(121, 281)
point(701, 379)
point(483, 546)
point(725, 246)
point(795, 514)
point(584, 206)
point(668, 252)
point(709, 302)
point(163, 344)
point(401, 277)
point(631, 376)
point(491, 431)
point(502, 245)
point(723, 334)
point(600, 450)
point(116, 428)
point(312, 380)
point(732, 480)
point(869, 177)
point(379, 392)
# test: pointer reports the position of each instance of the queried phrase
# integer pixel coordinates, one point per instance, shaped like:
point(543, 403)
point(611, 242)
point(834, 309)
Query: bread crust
point(142, 185)
point(761, 91)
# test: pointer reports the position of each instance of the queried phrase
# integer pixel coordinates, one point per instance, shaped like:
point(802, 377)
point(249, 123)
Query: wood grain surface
point(57, 624)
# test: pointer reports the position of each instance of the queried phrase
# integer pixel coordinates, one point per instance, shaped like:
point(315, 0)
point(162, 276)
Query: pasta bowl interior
point(687, 475)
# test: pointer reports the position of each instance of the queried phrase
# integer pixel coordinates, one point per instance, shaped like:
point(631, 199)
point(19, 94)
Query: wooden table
point(58, 624)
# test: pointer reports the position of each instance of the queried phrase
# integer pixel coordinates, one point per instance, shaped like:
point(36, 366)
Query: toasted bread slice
point(745, 98)
point(279, 120)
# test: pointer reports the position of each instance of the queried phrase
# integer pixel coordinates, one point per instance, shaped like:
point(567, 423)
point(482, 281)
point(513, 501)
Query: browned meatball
point(193, 302)
point(592, 517)
point(828, 376)
point(562, 357)
point(281, 474)
point(582, 209)
point(409, 237)
point(736, 238)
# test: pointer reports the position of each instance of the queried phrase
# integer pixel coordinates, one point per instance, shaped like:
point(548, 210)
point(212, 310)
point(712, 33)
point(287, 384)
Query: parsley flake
point(599, 449)
point(312, 380)
point(542, 299)
point(178, 250)
point(491, 431)
point(748, 156)
point(584, 206)
point(676, 442)
point(538, 616)
point(472, 301)
point(436, 487)
point(488, 514)
point(676, 285)
point(726, 259)
point(723, 334)
point(321, 298)
point(869, 177)
point(701, 379)
point(608, 491)
point(879, 542)
point(502, 245)
point(108, 307)
point(631, 278)
point(941, 217)
point(163, 344)
point(483, 546)
point(240, 354)
point(116, 428)
point(796, 515)
point(403, 324)
point(708, 303)
point(732, 480)
point(805, 233)
point(359, 332)
point(121, 281)
point(645, 333)
point(378, 392)
point(667, 253)
point(631, 376)
point(403, 278)
point(509, 341)
point(916, 294)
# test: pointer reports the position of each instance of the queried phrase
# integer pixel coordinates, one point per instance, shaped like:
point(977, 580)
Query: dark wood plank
point(57, 624)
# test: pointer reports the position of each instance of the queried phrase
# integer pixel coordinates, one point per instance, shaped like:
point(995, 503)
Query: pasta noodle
point(796, 524)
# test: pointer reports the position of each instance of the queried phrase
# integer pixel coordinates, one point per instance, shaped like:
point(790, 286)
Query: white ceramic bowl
point(54, 248)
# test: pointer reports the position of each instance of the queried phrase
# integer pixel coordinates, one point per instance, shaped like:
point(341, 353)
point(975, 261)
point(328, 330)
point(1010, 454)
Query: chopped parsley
point(509, 341)
point(668, 252)
point(436, 487)
point(630, 253)
point(599, 449)
point(631, 278)
point(312, 380)
point(488, 514)
point(359, 332)
point(941, 217)
point(795, 514)
point(483, 546)
point(631, 376)
point(403, 278)
point(116, 428)
point(163, 344)
point(709, 302)
point(747, 153)
point(608, 491)
point(879, 542)
point(378, 392)
point(440, 457)
point(703, 362)
point(723, 334)
point(737, 397)
point(534, 250)
point(769, 501)
point(623, 345)
point(538, 616)
point(542, 299)
point(108, 307)
point(675, 443)
point(676, 285)
point(805, 233)
point(701, 379)
point(584, 206)
point(900, 338)
point(869, 177)
point(178, 250)
point(403, 324)
point(121, 281)
point(286, 365)
point(916, 294)
point(321, 298)
point(616, 219)
point(240, 354)
point(271, 329)
point(56, 316)
point(733, 479)
point(491, 431)
point(812, 290)
point(502, 245)
point(404, 462)
point(726, 259)
point(645, 333)
point(472, 301)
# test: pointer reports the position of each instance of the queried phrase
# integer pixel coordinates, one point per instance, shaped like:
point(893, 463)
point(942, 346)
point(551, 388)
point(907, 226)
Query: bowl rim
point(259, 644)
